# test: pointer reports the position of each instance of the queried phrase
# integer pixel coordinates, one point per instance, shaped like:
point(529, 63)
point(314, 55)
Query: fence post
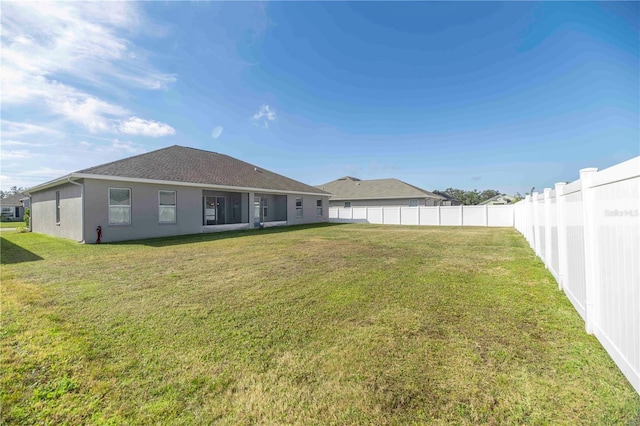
point(461, 215)
point(400, 215)
point(536, 224)
point(563, 262)
point(562, 235)
point(590, 245)
point(439, 217)
point(366, 214)
point(486, 215)
point(547, 228)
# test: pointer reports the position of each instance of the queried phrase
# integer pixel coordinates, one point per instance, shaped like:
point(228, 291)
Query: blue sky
point(478, 95)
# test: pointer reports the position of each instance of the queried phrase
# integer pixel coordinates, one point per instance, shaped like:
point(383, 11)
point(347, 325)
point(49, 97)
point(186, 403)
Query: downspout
point(81, 185)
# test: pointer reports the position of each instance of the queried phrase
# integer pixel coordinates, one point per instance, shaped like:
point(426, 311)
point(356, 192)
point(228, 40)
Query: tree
point(469, 198)
point(13, 191)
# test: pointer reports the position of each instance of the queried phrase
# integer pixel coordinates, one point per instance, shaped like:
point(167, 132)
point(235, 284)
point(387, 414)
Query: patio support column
point(251, 211)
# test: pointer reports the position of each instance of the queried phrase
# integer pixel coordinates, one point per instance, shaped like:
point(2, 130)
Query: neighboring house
point(500, 200)
point(12, 207)
point(353, 192)
point(171, 191)
point(448, 199)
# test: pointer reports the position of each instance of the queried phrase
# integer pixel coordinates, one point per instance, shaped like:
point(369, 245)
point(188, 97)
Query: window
point(119, 206)
point(265, 207)
point(319, 208)
point(57, 206)
point(6, 212)
point(17, 212)
point(167, 206)
point(413, 203)
point(347, 204)
point(298, 207)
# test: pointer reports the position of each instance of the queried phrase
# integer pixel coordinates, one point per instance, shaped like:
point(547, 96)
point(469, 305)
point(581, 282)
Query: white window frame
point(167, 206)
point(319, 209)
point(58, 208)
point(298, 208)
point(120, 205)
point(347, 204)
point(265, 207)
point(414, 203)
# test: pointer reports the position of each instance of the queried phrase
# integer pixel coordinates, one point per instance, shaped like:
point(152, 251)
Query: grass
point(20, 224)
point(342, 324)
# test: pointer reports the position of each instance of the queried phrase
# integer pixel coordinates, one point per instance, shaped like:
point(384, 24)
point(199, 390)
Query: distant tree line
point(472, 198)
point(13, 191)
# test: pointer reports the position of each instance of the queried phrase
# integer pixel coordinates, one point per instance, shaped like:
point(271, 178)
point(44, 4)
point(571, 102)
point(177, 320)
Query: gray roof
point(12, 200)
point(499, 198)
point(190, 165)
point(350, 188)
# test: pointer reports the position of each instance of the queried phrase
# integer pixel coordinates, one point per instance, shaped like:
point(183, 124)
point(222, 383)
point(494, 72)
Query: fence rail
point(587, 233)
point(425, 216)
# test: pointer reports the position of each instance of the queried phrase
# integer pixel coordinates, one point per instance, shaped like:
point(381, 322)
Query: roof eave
point(193, 184)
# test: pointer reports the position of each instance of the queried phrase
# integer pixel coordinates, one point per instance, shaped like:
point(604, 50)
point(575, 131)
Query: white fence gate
point(587, 233)
point(434, 216)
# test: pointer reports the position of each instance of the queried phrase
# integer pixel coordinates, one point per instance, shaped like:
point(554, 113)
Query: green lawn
point(12, 224)
point(333, 324)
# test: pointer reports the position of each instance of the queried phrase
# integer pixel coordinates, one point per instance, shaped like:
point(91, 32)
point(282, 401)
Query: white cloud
point(138, 126)
point(264, 115)
point(15, 154)
point(216, 132)
point(45, 45)
point(15, 129)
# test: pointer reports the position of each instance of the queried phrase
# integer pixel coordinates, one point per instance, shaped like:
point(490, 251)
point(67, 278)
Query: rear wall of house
point(309, 209)
point(145, 222)
point(43, 212)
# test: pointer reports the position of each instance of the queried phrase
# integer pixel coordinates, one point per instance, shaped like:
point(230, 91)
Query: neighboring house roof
point(192, 166)
point(350, 188)
point(12, 200)
point(500, 199)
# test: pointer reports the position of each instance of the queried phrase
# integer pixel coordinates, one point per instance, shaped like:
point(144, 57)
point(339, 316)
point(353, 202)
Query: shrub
point(27, 216)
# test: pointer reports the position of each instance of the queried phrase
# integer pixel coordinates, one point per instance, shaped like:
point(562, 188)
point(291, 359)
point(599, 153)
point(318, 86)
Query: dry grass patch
point(347, 324)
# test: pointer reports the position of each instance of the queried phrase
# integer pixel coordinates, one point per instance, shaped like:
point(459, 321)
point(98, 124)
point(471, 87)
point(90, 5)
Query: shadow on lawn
point(13, 253)
point(215, 236)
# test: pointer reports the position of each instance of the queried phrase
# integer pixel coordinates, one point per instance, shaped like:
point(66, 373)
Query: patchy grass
point(12, 225)
point(343, 324)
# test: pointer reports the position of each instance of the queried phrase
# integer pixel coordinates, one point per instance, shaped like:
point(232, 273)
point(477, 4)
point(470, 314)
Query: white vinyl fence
point(587, 233)
point(433, 216)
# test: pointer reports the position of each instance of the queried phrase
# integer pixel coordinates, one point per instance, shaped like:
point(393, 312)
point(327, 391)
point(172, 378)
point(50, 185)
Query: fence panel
point(430, 216)
point(588, 234)
point(391, 215)
point(474, 216)
point(575, 286)
point(617, 279)
point(500, 216)
point(450, 215)
point(409, 215)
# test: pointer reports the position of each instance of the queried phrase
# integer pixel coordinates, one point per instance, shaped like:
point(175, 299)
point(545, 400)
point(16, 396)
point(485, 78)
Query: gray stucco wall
point(308, 209)
point(43, 212)
point(397, 202)
point(144, 211)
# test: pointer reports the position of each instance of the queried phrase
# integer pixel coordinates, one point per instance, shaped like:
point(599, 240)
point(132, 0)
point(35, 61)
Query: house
point(353, 192)
point(500, 200)
point(12, 207)
point(171, 191)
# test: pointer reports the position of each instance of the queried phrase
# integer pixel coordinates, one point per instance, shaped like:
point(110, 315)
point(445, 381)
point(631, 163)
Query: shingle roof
point(183, 164)
point(12, 200)
point(349, 188)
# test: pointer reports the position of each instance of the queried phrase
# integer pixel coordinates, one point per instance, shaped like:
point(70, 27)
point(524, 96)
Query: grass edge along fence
point(587, 233)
